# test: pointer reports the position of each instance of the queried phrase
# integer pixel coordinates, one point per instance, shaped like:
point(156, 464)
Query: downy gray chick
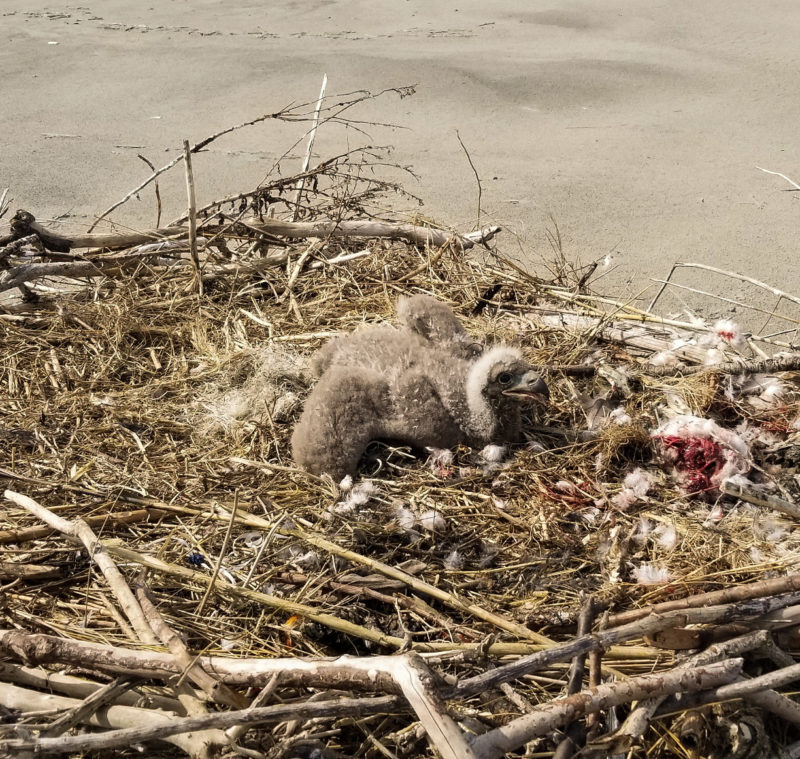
point(436, 322)
point(430, 400)
point(425, 323)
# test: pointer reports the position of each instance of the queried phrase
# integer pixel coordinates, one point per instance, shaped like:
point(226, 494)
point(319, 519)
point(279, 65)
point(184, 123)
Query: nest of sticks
point(169, 575)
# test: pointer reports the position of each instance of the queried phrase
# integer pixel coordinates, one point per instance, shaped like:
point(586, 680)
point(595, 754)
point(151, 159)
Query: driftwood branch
point(24, 223)
point(637, 722)
point(732, 594)
point(127, 718)
point(559, 712)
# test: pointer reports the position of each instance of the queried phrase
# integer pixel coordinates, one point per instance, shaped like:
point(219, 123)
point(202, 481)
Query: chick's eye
point(504, 378)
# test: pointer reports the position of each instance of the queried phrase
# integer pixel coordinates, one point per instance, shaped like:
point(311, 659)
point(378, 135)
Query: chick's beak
point(529, 385)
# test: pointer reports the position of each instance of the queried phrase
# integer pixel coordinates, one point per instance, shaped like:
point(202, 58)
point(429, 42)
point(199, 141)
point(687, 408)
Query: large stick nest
point(129, 399)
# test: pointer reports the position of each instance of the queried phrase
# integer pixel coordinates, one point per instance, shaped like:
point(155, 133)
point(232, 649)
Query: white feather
point(620, 416)
point(432, 521)
point(639, 482)
point(666, 536)
point(406, 519)
point(493, 453)
point(454, 561)
point(651, 574)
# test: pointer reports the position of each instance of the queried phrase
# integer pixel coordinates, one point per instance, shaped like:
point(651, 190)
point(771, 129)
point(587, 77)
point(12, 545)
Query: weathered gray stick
point(751, 495)
point(519, 731)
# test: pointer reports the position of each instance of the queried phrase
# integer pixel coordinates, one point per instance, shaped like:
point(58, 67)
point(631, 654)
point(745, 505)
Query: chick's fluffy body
point(427, 384)
point(421, 397)
point(425, 323)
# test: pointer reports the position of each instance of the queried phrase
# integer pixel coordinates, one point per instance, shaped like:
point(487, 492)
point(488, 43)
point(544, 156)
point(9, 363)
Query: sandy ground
point(636, 126)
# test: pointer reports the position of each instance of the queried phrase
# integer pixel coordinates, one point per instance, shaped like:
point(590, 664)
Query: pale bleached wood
point(637, 722)
point(79, 532)
point(181, 731)
point(192, 215)
point(519, 731)
point(118, 718)
point(417, 684)
point(348, 228)
point(215, 691)
point(309, 147)
point(80, 688)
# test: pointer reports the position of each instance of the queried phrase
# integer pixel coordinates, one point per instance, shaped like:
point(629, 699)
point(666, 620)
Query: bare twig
point(733, 593)
point(192, 215)
point(309, 147)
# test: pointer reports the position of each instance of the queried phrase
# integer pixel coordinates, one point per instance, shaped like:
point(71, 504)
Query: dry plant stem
point(79, 532)
point(174, 729)
point(195, 148)
point(309, 147)
point(782, 176)
point(215, 691)
point(126, 718)
point(519, 731)
point(751, 495)
point(739, 304)
point(222, 553)
point(192, 215)
point(421, 587)
point(733, 275)
point(732, 594)
point(290, 607)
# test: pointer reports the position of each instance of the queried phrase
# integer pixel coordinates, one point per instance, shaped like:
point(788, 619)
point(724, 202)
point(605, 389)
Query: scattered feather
point(432, 521)
point(666, 536)
point(651, 574)
point(639, 481)
point(730, 333)
point(454, 561)
point(620, 416)
point(406, 519)
point(493, 453)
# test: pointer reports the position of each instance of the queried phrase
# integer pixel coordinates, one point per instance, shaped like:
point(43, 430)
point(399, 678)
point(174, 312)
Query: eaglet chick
point(422, 397)
point(426, 322)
